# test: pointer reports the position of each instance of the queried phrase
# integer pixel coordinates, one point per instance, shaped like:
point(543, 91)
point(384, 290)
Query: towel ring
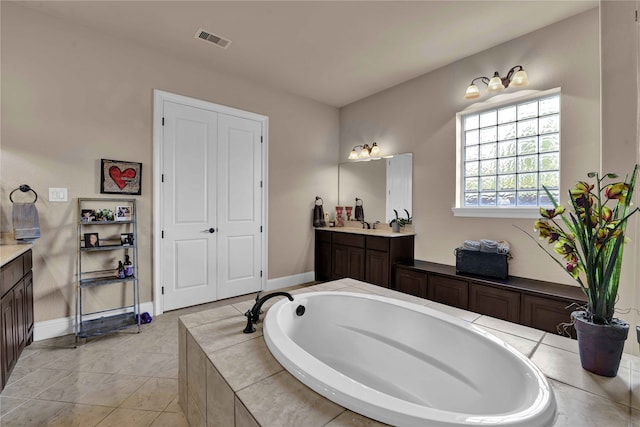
point(319, 201)
point(24, 188)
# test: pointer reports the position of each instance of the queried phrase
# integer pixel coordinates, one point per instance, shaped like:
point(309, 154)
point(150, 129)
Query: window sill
point(506, 212)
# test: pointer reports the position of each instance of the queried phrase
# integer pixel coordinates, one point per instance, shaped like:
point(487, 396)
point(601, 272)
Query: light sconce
point(364, 152)
point(515, 77)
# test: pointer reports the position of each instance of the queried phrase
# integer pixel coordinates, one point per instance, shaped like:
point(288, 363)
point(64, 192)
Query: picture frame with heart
point(120, 177)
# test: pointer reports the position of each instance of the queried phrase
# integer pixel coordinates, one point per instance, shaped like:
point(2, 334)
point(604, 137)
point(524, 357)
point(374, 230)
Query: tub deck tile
point(282, 400)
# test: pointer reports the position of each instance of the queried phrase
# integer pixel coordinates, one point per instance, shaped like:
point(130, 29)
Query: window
point(507, 152)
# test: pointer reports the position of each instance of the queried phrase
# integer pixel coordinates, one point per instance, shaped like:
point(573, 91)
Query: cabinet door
point(323, 261)
point(8, 334)
point(377, 267)
point(546, 314)
point(340, 261)
point(19, 316)
point(448, 291)
point(411, 282)
point(500, 303)
point(28, 307)
point(356, 263)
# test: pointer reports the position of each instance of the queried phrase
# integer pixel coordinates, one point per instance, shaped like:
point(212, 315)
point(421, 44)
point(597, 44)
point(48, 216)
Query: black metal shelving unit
point(115, 318)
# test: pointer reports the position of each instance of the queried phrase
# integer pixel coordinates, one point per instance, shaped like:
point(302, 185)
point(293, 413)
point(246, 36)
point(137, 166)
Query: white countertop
point(12, 251)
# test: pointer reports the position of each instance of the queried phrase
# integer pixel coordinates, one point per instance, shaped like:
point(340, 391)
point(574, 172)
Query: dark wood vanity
point(16, 307)
point(388, 261)
point(538, 304)
point(361, 256)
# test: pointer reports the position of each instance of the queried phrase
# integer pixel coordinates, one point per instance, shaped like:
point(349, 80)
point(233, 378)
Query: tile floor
point(122, 379)
point(130, 380)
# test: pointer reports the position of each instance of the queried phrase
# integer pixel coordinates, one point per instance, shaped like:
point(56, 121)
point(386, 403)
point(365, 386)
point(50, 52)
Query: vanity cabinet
point(16, 311)
point(365, 257)
point(534, 303)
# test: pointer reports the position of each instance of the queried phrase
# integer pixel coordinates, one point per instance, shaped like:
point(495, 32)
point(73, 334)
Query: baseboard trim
point(65, 325)
point(287, 281)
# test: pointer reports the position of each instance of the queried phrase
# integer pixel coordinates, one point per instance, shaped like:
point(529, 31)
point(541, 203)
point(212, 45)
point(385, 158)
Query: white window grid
point(510, 152)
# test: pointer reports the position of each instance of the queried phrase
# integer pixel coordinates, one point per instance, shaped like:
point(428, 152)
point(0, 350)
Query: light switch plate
point(58, 195)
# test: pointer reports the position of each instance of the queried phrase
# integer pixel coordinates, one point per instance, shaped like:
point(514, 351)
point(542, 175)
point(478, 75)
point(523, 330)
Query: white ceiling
point(335, 52)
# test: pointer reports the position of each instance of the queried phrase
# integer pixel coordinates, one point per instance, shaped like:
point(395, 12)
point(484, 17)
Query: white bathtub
point(404, 364)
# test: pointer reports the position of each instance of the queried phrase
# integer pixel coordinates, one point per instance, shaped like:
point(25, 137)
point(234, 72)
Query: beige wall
point(71, 96)
point(419, 116)
point(620, 137)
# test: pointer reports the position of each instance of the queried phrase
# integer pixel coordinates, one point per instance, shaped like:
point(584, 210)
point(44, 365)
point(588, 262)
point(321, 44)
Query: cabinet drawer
point(378, 243)
point(11, 274)
point(323, 236)
point(28, 262)
point(448, 291)
point(499, 303)
point(346, 239)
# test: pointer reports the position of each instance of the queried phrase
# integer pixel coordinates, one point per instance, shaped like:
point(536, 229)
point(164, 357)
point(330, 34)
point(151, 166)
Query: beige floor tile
point(8, 404)
point(59, 414)
point(93, 388)
point(510, 328)
point(351, 419)
point(154, 395)
point(468, 316)
point(635, 418)
point(34, 383)
point(174, 406)
point(171, 419)
point(577, 408)
point(564, 366)
point(129, 417)
point(141, 363)
point(565, 343)
point(523, 345)
point(282, 400)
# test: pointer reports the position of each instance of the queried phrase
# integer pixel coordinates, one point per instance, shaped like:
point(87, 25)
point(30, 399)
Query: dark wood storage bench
point(538, 304)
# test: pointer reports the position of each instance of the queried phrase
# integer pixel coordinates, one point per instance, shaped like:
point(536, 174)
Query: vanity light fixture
point(516, 76)
point(364, 152)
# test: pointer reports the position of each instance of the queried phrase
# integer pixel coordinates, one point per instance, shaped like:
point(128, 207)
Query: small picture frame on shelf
point(123, 213)
point(91, 240)
point(104, 215)
point(126, 239)
point(88, 215)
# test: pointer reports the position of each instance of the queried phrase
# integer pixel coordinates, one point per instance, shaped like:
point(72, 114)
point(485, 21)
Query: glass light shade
point(520, 79)
point(472, 92)
point(353, 155)
point(375, 150)
point(364, 153)
point(495, 84)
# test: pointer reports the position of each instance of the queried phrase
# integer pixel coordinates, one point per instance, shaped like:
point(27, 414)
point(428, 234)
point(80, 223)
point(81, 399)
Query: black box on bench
point(482, 263)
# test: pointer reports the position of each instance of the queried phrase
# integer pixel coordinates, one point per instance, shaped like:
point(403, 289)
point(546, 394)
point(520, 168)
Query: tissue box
point(482, 263)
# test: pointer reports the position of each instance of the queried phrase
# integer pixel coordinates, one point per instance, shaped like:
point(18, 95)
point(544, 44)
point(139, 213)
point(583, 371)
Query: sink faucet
point(253, 315)
point(374, 224)
point(365, 224)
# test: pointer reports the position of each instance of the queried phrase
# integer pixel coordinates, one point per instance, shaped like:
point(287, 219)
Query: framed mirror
point(383, 185)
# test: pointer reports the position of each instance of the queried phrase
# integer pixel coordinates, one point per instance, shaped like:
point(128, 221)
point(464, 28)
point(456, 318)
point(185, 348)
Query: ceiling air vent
point(217, 40)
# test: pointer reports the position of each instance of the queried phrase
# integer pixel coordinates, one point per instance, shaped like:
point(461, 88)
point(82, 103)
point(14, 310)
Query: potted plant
point(397, 222)
point(590, 239)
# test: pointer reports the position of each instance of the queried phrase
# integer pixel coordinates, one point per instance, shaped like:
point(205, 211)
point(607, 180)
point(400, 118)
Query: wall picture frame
point(120, 177)
point(122, 213)
point(91, 240)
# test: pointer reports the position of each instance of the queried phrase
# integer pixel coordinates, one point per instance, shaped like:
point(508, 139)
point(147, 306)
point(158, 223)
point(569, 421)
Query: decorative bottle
point(128, 266)
point(120, 270)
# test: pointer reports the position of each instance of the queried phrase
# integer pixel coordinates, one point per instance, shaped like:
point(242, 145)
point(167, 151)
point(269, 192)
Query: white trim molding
point(511, 212)
point(288, 281)
point(65, 325)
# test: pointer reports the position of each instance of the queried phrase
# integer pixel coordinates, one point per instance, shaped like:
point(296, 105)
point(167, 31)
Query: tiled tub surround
point(229, 378)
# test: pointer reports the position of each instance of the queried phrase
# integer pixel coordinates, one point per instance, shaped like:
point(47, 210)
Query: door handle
point(210, 230)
